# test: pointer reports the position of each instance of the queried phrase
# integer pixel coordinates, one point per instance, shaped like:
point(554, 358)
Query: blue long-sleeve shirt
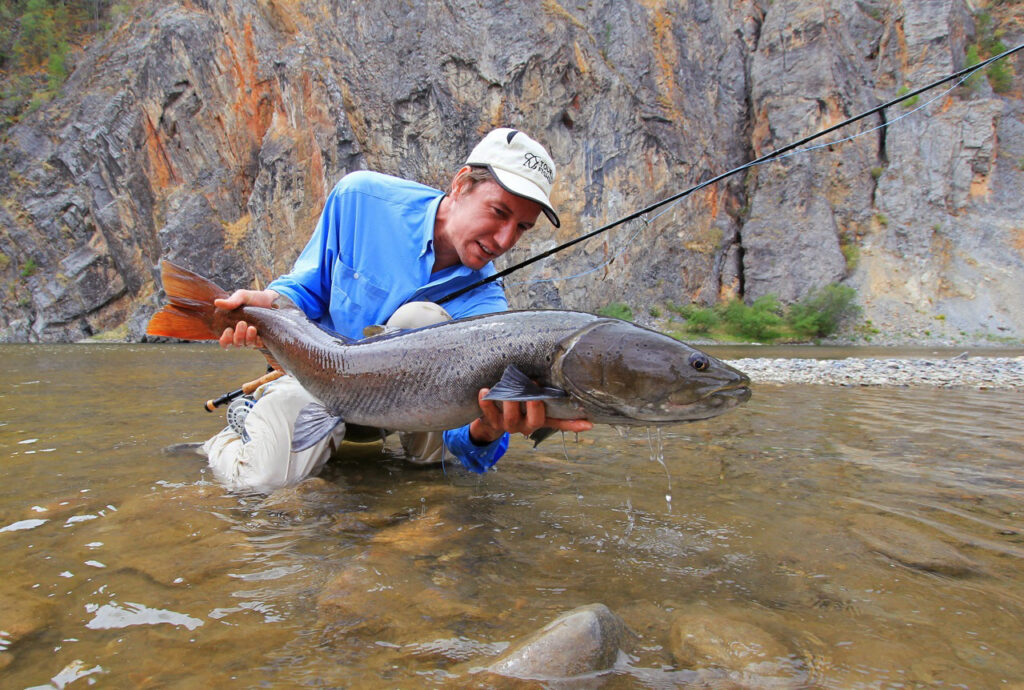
point(373, 251)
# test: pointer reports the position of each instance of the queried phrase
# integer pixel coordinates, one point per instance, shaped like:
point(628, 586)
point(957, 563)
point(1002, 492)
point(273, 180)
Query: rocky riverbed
point(956, 372)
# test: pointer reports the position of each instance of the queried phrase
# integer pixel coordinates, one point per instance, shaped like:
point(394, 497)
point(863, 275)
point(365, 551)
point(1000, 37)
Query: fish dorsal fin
point(515, 385)
point(312, 424)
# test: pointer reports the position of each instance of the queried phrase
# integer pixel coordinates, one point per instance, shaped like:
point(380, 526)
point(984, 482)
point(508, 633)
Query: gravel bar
point(958, 372)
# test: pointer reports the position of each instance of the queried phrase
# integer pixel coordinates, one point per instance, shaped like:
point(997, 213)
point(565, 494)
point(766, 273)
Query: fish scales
point(423, 379)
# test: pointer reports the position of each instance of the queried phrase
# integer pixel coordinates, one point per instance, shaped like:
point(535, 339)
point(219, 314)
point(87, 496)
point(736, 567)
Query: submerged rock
point(187, 541)
point(390, 594)
point(703, 639)
point(910, 546)
point(397, 585)
point(311, 497)
point(22, 616)
point(584, 640)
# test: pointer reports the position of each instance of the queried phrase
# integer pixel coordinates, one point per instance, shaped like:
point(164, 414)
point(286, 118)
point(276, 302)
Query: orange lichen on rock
point(711, 199)
point(234, 232)
point(1017, 235)
point(159, 162)
point(667, 58)
point(254, 97)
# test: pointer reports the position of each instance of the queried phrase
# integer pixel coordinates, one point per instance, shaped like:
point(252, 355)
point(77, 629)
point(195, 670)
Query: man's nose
point(506, 236)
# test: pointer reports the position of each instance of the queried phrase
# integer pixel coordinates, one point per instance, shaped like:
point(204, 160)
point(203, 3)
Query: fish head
point(625, 374)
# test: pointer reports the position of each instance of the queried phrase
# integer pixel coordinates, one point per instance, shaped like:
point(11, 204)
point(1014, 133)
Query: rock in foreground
point(584, 640)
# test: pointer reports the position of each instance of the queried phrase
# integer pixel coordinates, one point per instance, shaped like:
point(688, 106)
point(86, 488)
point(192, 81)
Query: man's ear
point(460, 181)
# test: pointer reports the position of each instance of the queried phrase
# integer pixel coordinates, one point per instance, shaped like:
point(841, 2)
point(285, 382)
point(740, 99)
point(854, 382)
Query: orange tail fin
point(190, 314)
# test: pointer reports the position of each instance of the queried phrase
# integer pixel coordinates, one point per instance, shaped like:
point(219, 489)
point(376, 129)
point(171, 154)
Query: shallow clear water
point(857, 537)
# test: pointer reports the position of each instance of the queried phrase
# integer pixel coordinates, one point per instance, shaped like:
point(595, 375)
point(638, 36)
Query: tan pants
point(266, 462)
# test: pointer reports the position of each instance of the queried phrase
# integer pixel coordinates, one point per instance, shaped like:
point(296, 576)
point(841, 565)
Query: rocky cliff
point(210, 131)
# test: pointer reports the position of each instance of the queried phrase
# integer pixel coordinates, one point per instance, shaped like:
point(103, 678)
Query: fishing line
point(888, 123)
point(641, 226)
point(789, 149)
point(598, 267)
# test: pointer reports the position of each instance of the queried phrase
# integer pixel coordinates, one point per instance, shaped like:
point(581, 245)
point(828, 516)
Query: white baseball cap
point(519, 164)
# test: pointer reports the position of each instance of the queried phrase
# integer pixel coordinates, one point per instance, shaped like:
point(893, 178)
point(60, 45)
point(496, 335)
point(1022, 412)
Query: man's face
point(487, 221)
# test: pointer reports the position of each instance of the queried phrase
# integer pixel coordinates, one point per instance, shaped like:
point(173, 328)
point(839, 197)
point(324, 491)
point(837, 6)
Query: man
point(383, 251)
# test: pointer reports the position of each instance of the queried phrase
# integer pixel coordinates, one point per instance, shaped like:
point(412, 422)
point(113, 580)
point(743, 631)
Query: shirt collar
point(427, 250)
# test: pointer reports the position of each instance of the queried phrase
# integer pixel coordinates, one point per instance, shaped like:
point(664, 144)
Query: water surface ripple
point(851, 537)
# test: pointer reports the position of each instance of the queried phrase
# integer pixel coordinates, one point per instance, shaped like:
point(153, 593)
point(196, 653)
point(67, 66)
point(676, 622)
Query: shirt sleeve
point(474, 458)
point(308, 284)
point(304, 284)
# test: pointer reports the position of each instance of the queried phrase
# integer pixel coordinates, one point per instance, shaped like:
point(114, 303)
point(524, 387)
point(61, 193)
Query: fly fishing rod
point(246, 389)
point(778, 153)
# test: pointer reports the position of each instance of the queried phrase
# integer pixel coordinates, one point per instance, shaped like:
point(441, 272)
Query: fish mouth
point(711, 405)
point(729, 396)
point(739, 393)
point(667, 412)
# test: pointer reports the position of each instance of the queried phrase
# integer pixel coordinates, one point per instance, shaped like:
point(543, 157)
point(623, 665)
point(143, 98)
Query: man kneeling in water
point(381, 243)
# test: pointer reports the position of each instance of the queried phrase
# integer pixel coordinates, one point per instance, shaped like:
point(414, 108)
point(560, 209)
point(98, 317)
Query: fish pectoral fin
point(541, 434)
point(515, 385)
point(312, 424)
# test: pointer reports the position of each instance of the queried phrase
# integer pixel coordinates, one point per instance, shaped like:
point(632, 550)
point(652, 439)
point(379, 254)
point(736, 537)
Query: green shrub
point(37, 31)
point(819, 314)
point(910, 102)
point(57, 70)
point(757, 321)
point(1000, 76)
point(851, 252)
point(28, 268)
point(35, 44)
point(700, 320)
point(617, 310)
point(999, 73)
point(970, 60)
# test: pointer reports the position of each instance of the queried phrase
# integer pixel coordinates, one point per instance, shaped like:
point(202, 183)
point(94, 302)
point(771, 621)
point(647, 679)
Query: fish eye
point(699, 362)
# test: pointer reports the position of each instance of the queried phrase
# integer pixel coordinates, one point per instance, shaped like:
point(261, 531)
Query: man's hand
point(510, 417)
point(244, 335)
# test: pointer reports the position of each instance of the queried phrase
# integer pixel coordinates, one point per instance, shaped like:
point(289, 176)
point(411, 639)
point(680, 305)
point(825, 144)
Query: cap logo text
point(535, 162)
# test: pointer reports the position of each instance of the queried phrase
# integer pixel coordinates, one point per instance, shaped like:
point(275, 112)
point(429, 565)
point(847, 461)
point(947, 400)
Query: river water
point(816, 537)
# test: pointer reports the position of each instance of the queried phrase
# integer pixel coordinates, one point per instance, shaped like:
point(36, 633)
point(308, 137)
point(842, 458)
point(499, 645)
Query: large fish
point(581, 365)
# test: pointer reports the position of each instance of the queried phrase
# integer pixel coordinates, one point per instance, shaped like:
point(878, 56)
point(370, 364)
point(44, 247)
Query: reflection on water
point(114, 615)
point(826, 537)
